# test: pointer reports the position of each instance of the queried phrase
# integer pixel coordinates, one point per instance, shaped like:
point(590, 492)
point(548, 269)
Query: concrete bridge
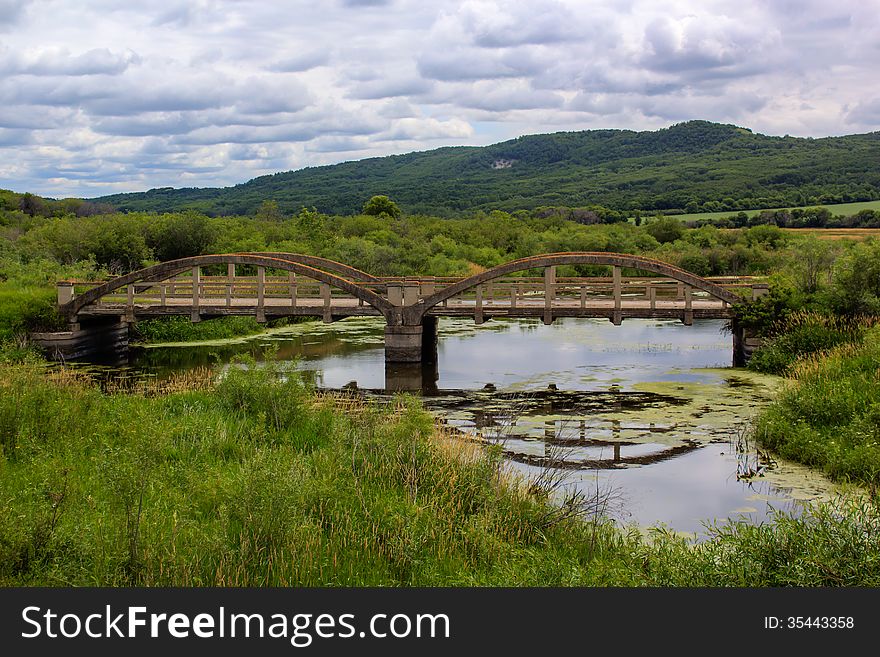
point(273, 285)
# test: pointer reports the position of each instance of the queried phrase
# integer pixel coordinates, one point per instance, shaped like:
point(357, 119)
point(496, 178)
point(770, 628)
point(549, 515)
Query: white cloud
point(99, 96)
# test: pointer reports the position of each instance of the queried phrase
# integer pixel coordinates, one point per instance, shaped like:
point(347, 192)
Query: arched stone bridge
point(271, 285)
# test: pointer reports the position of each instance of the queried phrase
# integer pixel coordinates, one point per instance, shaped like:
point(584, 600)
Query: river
point(647, 415)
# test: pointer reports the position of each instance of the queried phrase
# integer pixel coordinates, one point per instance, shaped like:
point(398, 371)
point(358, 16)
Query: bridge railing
point(191, 289)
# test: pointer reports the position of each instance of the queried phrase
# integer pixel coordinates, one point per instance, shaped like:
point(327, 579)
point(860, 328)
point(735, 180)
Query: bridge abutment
point(101, 338)
point(745, 343)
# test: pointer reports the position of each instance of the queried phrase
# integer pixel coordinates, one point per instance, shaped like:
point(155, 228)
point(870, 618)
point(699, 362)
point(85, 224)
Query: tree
point(182, 235)
point(856, 280)
point(665, 229)
point(810, 262)
point(382, 205)
point(268, 211)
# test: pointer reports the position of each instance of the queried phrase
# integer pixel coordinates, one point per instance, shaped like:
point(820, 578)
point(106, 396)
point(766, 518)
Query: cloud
point(866, 112)
point(421, 129)
point(11, 11)
point(389, 88)
point(303, 61)
point(366, 3)
point(470, 64)
point(217, 91)
point(59, 62)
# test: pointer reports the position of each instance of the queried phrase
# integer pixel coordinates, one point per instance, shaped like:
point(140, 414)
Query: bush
point(23, 310)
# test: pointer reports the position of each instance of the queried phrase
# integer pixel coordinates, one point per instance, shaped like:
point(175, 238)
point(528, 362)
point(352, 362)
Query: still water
point(647, 414)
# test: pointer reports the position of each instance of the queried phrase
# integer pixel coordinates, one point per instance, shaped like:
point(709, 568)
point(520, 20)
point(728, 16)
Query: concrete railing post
point(688, 306)
point(195, 316)
point(325, 296)
point(129, 303)
point(395, 294)
point(261, 294)
point(64, 291)
point(410, 293)
point(617, 289)
point(759, 290)
point(549, 293)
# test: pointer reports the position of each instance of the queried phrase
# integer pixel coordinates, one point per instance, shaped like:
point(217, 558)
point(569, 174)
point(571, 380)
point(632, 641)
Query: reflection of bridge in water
point(274, 285)
point(578, 438)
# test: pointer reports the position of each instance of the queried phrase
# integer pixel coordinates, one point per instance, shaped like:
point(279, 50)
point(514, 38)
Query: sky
point(106, 96)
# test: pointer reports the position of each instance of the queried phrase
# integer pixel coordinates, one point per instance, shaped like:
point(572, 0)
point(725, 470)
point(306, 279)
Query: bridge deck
point(349, 307)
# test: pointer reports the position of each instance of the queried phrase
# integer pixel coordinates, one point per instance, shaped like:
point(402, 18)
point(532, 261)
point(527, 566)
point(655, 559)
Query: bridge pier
point(406, 343)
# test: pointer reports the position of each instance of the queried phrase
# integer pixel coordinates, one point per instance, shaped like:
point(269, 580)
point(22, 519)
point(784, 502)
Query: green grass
point(841, 209)
point(254, 481)
point(829, 416)
point(803, 334)
point(181, 329)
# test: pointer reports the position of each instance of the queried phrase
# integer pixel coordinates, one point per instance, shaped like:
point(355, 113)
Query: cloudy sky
point(100, 96)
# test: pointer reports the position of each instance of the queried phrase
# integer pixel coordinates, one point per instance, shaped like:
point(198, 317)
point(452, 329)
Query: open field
point(844, 209)
point(836, 233)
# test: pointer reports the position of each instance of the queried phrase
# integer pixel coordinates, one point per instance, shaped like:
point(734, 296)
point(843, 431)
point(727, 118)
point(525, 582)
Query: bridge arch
point(324, 264)
point(287, 262)
point(572, 258)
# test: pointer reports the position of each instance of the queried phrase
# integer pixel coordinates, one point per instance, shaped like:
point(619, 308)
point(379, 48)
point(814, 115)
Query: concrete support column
point(403, 344)
point(652, 296)
point(478, 305)
point(429, 339)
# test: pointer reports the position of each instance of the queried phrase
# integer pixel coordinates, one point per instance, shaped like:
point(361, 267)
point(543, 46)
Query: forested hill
point(694, 166)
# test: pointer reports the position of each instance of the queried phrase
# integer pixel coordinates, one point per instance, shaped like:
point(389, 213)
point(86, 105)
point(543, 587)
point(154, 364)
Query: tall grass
point(829, 416)
point(803, 333)
point(252, 479)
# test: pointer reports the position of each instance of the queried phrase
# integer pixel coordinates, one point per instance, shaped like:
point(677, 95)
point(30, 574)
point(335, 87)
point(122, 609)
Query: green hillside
point(690, 167)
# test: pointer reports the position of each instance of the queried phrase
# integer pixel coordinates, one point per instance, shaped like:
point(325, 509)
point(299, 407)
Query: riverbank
point(254, 480)
point(828, 417)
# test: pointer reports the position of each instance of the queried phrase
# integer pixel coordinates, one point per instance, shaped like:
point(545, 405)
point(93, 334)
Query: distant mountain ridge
point(693, 166)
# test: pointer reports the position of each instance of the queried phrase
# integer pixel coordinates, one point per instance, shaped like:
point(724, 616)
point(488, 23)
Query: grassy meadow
point(253, 479)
